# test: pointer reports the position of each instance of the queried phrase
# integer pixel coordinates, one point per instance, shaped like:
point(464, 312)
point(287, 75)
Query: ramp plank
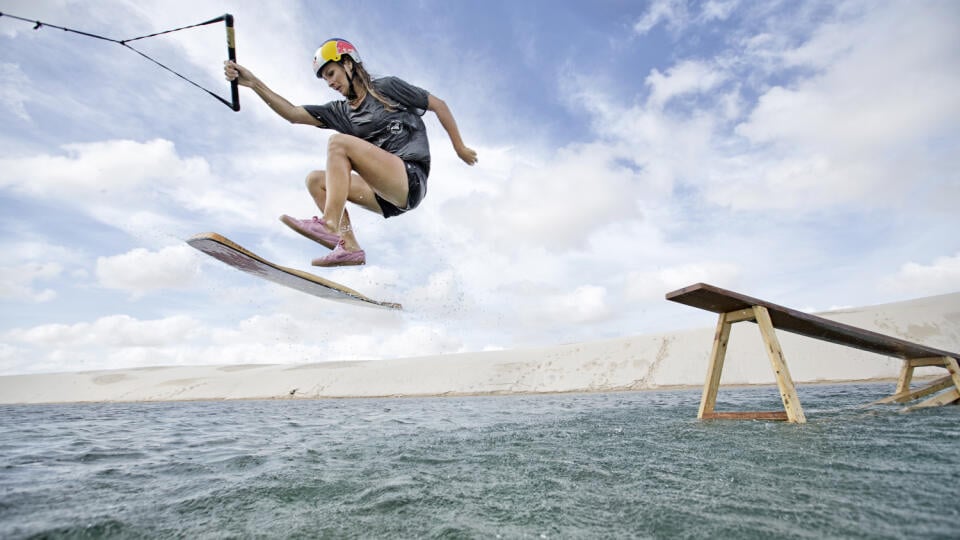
point(719, 300)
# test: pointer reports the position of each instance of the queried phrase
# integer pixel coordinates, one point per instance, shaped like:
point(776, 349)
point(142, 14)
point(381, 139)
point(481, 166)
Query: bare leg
point(359, 194)
point(378, 172)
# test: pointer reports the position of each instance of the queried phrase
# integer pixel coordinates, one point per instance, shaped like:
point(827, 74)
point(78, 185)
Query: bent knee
point(316, 181)
point(338, 142)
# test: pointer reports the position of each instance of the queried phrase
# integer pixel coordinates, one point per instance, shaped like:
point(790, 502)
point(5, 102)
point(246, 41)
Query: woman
point(379, 158)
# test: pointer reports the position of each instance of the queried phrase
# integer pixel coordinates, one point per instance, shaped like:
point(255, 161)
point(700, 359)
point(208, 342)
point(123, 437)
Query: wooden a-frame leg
point(720, 340)
point(788, 392)
point(950, 395)
point(904, 393)
point(938, 400)
point(906, 377)
point(954, 368)
point(910, 395)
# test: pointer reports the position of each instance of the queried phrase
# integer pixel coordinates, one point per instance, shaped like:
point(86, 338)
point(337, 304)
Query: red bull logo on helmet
point(333, 50)
point(345, 47)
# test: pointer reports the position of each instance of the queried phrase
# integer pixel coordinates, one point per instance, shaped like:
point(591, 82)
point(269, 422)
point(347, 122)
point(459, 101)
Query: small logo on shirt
point(396, 126)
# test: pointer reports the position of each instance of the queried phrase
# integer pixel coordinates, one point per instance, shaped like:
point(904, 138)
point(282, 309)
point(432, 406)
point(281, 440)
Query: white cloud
point(32, 270)
point(876, 111)
point(7, 353)
point(415, 340)
point(870, 86)
point(140, 271)
point(676, 15)
point(671, 12)
point(29, 9)
point(111, 331)
point(718, 10)
point(142, 188)
point(663, 147)
point(443, 293)
point(652, 285)
point(101, 169)
point(17, 282)
point(586, 303)
point(123, 341)
point(939, 277)
point(108, 342)
point(13, 89)
point(683, 78)
point(555, 202)
point(866, 115)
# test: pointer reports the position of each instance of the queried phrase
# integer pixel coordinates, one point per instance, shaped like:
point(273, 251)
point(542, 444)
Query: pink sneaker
point(312, 229)
point(341, 257)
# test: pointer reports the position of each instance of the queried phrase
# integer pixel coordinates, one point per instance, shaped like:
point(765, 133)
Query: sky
point(806, 153)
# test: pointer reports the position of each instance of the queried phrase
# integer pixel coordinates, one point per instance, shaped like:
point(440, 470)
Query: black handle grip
point(232, 55)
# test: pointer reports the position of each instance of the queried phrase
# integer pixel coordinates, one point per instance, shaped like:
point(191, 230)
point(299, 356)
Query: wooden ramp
point(734, 307)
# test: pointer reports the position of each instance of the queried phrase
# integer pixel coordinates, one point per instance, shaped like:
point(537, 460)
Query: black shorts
point(417, 173)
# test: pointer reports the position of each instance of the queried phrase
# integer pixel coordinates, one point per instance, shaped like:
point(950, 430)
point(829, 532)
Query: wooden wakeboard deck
point(719, 300)
point(231, 253)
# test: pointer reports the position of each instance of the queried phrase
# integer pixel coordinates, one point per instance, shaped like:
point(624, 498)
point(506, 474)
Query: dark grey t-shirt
point(400, 132)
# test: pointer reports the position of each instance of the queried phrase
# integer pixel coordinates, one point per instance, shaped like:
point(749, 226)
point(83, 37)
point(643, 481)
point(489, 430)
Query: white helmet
point(333, 50)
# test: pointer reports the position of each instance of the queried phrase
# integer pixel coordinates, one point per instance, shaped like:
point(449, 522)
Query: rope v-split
point(231, 48)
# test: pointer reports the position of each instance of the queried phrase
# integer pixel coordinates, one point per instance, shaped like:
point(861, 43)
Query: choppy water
point(560, 466)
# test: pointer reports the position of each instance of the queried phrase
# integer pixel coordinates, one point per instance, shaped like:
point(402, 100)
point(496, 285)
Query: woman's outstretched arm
point(439, 107)
point(291, 113)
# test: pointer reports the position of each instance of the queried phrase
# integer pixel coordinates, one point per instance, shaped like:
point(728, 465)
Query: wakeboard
point(231, 253)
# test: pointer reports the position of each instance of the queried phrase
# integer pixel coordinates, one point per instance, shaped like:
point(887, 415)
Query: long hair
point(361, 78)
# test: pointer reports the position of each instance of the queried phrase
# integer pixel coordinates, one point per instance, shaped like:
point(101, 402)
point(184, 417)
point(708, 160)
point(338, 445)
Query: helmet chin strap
point(351, 92)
